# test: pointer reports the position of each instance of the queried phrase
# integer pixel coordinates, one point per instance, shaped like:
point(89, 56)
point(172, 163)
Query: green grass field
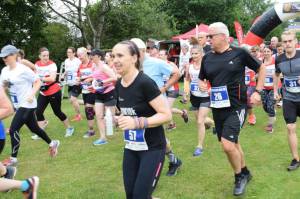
point(82, 170)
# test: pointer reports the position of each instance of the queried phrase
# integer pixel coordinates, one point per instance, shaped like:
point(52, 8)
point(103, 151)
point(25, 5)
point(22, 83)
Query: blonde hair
point(289, 32)
point(82, 50)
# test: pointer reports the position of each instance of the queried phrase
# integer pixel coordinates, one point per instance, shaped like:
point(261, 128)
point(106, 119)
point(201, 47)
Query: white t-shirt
point(194, 75)
point(20, 81)
point(71, 68)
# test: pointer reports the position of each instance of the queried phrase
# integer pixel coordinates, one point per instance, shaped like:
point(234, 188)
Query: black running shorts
point(290, 111)
point(228, 123)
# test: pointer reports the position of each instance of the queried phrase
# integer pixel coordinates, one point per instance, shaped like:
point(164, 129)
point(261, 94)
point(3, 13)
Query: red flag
point(239, 32)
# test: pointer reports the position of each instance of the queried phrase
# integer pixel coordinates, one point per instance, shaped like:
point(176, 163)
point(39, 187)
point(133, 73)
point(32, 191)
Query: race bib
point(219, 97)
point(268, 81)
point(14, 99)
point(194, 87)
point(135, 140)
point(69, 77)
point(291, 84)
point(85, 86)
point(247, 80)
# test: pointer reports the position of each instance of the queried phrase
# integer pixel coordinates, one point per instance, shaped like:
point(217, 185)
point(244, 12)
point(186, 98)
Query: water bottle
point(109, 122)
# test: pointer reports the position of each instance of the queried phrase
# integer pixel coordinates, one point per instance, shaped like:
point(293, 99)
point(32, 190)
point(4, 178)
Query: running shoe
point(269, 128)
point(76, 118)
point(10, 172)
point(89, 134)
point(279, 104)
point(174, 167)
point(69, 131)
point(294, 165)
point(207, 125)
point(35, 137)
point(171, 127)
point(240, 185)
point(31, 192)
point(248, 176)
point(99, 142)
point(10, 162)
point(252, 119)
point(53, 148)
point(198, 151)
point(183, 101)
point(185, 115)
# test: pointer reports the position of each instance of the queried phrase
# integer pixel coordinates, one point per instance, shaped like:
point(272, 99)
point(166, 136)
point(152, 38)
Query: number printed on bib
point(194, 87)
point(219, 97)
point(69, 76)
point(135, 140)
point(291, 84)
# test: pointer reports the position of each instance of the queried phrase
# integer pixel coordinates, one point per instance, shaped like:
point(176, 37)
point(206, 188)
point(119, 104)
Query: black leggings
point(55, 102)
point(24, 116)
point(2, 144)
point(141, 171)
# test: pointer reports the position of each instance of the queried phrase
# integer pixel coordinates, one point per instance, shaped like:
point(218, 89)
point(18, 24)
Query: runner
point(267, 95)
point(173, 93)
point(250, 82)
point(199, 100)
point(103, 78)
point(224, 68)
point(22, 84)
point(28, 187)
point(50, 91)
point(144, 110)
point(184, 60)
point(288, 64)
point(156, 69)
point(88, 94)
point(72, 64)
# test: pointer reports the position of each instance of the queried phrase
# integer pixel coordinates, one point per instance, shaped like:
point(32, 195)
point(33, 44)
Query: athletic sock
point(245, 171)
point(25, 185)
point(172, 157)
point(272, 120)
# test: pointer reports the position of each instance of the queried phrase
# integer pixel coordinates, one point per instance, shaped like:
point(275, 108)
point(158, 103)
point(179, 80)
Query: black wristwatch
point(258, 91)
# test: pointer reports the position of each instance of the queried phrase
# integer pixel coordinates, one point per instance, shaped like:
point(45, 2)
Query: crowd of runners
point(138, 85)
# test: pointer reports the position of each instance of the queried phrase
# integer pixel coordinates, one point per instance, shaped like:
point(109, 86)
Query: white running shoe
point(35, 137)
point(53, 148)
point(69, 131)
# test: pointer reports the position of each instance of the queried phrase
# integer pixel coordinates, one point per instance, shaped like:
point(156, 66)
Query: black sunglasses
point(212, 35)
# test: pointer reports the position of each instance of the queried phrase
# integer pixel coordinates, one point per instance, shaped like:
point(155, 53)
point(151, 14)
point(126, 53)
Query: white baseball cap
point(8, 50)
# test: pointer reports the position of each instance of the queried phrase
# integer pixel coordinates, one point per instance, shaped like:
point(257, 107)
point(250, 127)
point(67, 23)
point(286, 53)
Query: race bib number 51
point(135, 140)
point(219, 97)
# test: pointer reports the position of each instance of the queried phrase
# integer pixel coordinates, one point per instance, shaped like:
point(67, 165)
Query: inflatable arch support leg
point(279, 13)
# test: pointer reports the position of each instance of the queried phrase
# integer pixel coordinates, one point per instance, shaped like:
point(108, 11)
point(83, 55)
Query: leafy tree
point(21, 23)
point(57, 40)
point(188, 13)
point(138, 18)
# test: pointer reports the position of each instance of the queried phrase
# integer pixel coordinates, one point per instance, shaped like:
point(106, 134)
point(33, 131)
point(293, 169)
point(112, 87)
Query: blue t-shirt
point(156, 69)
point(2, 131)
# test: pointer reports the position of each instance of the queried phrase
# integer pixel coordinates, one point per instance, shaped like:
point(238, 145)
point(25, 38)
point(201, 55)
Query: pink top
point(98, 74)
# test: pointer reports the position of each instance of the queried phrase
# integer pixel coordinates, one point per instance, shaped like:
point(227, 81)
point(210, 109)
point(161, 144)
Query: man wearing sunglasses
point(224, 68)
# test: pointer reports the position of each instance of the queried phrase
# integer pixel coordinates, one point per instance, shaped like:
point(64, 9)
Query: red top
point(44, 70)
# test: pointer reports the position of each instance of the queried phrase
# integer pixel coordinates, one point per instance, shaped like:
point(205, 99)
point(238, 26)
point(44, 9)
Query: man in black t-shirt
point(224, 68)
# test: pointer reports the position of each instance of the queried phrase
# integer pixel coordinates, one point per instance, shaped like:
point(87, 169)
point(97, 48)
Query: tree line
point(32, 24)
